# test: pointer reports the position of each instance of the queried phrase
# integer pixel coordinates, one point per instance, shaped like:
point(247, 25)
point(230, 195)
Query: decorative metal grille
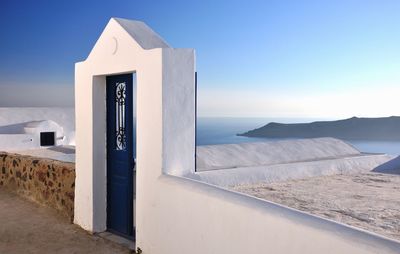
point(120, 90)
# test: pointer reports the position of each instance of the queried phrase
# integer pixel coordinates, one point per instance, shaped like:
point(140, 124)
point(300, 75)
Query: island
point(380, 129)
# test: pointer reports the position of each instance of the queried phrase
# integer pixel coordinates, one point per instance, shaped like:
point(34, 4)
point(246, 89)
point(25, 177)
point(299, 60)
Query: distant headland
point(382, 129)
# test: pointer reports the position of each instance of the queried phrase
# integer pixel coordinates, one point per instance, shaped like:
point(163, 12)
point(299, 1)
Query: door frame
point(98, 204)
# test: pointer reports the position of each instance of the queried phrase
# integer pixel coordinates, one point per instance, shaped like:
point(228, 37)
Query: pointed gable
point(121, 34)
point(142, 34)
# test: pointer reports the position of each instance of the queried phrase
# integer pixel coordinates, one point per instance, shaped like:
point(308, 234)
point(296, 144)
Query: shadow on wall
point(64, 150)
point(390, 167)
point(13, 128)
point(27, 135)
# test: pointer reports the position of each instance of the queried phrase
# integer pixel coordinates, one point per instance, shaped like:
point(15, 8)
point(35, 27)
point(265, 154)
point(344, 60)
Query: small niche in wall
point(47, 138)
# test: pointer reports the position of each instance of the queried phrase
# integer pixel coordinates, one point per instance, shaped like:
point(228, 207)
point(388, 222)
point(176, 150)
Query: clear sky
point(274, 58)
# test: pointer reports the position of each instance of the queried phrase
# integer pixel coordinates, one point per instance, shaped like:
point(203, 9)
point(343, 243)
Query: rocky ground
point(28, 228)
point(370, 201)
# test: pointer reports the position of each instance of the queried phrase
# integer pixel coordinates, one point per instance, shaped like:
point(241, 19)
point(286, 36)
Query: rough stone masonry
point(48, 182)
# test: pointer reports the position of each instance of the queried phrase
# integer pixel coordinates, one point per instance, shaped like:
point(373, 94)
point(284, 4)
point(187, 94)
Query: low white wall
point(235, 164)
point(283, 172)
point(269, 153)
point(184, 216)
point(16, 118)
point(14, 142)
point(62, 116)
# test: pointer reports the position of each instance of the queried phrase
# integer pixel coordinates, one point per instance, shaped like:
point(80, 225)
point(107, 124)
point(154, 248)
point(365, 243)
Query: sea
point(224, 130)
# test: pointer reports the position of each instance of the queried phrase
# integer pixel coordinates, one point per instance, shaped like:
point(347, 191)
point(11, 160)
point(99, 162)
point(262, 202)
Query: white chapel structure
point(164, 117)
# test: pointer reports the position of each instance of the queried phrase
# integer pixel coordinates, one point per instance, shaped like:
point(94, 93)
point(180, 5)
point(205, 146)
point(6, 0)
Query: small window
point(47, 139)
point(120, 92)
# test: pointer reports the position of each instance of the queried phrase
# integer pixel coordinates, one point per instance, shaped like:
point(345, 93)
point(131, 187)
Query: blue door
point(120, 157)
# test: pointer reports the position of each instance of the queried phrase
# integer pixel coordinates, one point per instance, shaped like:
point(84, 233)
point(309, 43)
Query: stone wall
point(45, 181)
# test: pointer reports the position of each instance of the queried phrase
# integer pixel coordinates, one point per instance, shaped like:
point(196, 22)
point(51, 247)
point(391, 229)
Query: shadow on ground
point(27, 227)
point(390, 167)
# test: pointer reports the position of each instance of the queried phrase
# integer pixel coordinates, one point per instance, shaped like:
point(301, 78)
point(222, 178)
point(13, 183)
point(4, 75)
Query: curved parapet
point(270, 153)
point(41, 126)
point(228, 165)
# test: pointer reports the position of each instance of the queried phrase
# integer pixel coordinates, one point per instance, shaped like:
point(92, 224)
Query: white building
point(22, 129)
point(168, 212)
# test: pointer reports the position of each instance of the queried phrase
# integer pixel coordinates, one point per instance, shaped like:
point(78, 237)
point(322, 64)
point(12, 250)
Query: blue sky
point(254, 58)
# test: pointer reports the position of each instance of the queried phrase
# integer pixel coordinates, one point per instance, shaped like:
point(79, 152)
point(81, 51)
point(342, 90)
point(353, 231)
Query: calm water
point(212, 131)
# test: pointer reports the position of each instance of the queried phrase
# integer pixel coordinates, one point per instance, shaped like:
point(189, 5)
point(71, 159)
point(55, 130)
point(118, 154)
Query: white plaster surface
point(174, 214)
point(365, 200)
point(20, 127)
point(142, 34)
point(178, 104)
point(185, 216)
point(15, 142)
point(269, 153)
point(233, 164)
point(60, 153)
point(35, 127)
point(289, 171)
point(123, 47)
point(63, 116)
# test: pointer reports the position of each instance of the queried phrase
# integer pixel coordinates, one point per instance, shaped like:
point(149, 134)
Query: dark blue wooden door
point(120, 160)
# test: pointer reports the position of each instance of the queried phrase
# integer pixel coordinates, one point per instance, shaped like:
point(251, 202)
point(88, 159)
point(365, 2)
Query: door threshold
point(117, 239)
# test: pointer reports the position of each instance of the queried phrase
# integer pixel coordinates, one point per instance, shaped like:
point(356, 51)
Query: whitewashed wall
point(15, 142)
point(115, 52)
point(184, 216)
point(175, 214)
point(20, 127)
point(65, 117)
